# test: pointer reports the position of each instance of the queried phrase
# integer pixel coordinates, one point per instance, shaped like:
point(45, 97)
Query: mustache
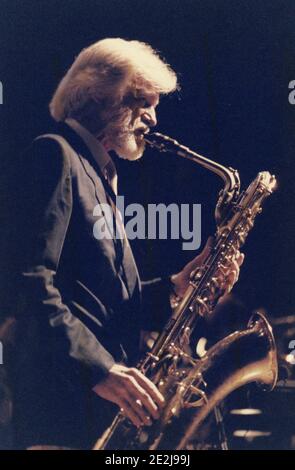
point(141, 130)
point(121, 128)
point(127, 132)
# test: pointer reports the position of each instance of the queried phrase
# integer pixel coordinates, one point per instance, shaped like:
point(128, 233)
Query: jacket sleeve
point(46, 194)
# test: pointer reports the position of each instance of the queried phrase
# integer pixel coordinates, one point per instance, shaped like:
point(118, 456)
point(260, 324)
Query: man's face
point(125, 132)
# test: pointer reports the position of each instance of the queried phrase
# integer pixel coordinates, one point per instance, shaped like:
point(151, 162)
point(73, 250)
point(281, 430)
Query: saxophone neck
point(229, 176)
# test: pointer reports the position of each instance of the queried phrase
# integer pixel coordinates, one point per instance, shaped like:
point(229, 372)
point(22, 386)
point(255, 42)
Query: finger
point(235, 268)
point(127, 410)
point(229, 282)
point(240, 259)
point(226, 279)
point(140, 411)
point(133, 391)
point(149, 387)
point(148, 406)
point(225, 271)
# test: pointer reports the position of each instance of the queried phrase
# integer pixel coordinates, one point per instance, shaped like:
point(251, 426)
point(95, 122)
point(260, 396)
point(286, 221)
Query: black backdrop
point(234, 59)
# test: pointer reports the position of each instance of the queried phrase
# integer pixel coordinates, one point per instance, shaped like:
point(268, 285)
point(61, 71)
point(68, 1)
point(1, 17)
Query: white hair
point(105, 71)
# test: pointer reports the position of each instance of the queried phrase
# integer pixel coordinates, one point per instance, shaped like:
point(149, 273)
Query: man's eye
point(143, 103)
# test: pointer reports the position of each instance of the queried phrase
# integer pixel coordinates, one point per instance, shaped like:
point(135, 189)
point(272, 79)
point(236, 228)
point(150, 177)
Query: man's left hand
point(226, 277)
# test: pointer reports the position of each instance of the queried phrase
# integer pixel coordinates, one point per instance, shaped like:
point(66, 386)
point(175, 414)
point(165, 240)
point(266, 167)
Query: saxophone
point(194, 386)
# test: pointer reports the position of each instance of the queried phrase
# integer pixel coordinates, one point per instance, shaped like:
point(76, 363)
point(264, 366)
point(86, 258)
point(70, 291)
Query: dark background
point(234, 60)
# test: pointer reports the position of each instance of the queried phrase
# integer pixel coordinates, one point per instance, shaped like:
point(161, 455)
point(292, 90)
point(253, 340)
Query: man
point(80, 302)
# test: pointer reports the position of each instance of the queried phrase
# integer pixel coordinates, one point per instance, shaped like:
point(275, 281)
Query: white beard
point(130, 147)
point(122, 137)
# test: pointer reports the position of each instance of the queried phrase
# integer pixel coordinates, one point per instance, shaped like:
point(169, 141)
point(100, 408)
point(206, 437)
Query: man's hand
point(135, 394)
point(227, 278)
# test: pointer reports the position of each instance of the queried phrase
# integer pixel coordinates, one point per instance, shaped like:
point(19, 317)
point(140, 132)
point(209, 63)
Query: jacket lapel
point(103, 192)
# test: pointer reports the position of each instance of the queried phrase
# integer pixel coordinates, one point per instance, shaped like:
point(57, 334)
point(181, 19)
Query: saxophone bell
point(242, 357)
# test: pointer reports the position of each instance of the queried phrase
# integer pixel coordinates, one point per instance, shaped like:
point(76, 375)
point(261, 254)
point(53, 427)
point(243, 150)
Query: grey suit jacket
point(79, 301)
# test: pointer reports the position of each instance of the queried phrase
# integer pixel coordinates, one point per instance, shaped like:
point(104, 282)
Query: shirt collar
point(98, 151)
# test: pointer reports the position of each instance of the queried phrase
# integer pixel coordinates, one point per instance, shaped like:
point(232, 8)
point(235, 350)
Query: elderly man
point(80, 302)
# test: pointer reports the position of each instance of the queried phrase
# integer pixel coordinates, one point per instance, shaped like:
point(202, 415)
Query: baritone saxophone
point(193, 386)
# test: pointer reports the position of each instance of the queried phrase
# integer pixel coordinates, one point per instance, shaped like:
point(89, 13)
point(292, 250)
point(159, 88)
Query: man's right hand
point(135, 394)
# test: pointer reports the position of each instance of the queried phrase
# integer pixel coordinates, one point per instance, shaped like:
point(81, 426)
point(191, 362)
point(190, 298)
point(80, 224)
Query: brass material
point(240, 358)
point(193, 387)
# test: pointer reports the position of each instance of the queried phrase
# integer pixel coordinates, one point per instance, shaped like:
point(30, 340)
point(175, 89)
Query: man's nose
point(149, 117)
